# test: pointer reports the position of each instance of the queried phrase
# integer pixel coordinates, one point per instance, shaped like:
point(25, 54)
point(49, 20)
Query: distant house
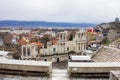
point(15, 39)
point(19, 31)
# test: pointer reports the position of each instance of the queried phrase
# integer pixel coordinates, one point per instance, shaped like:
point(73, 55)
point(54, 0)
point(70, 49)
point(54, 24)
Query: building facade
point(58, 50)
point(29, 51)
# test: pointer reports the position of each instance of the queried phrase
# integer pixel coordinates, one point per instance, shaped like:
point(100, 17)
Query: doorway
point(58, 60)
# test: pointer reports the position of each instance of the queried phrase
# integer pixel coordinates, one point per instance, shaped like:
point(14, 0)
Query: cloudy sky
point(78, 11)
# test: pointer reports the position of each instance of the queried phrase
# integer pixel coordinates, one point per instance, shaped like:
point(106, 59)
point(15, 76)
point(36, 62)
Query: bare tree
point(7, 40)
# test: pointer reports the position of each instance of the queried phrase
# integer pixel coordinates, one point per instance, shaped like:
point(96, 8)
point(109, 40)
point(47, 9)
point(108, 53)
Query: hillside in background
point(43, 24)
point(111, 30)
point(105, 27)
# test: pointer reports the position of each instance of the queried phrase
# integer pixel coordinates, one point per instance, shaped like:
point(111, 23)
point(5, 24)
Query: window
point(28, 51)
point(82, 35)
point(54, 49)
point(67, 48)
point(64, 37)
point(24, 51)
point(79, 48)
point(36, 48)
point(79, 35)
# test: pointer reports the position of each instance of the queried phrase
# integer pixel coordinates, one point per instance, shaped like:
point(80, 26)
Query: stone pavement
point(60, 65)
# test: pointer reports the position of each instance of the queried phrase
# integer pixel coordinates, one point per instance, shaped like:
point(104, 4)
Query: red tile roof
point(22, 42)
point(37, 44)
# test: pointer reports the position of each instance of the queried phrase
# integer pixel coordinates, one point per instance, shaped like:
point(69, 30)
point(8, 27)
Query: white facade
point(80, 40)
point(16, 31)
point(60, 50)
point(78, 44)
point(80, 58)
point(20, 31)
point(5, 30)
point(29, 51)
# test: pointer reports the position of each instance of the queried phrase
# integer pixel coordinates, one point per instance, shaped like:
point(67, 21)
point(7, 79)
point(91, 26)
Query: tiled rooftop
point(107, 55)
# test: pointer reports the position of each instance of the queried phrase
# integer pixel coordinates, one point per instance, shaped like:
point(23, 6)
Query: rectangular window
point(28, 51)
point(54, 49)
point(79, 35)
point(82, 36)
point(67, 48)
point(79, 48)
point(24, 51)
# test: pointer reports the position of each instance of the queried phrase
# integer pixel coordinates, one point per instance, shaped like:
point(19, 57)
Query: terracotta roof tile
point(37, 43)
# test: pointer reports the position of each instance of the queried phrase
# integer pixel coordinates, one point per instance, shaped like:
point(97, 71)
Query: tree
point(45, 40)
point(7, 40)
point(16, 55)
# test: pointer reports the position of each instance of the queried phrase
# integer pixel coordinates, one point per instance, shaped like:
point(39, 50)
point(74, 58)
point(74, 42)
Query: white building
point(29, 51)
point(19, 31)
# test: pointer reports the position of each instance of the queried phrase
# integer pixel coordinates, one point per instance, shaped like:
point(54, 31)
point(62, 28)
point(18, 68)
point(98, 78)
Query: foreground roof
point(107, 54)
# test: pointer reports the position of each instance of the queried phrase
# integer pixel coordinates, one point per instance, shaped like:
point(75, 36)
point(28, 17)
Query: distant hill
point(110, 30)
point(105, 27)
point(43, 24)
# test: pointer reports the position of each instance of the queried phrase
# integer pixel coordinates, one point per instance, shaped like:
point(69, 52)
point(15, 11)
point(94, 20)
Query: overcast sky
point(78, 11)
